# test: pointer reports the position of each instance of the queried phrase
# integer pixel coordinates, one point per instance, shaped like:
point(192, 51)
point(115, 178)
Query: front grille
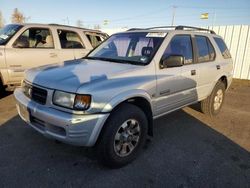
point(35, 93)
point(39, 95)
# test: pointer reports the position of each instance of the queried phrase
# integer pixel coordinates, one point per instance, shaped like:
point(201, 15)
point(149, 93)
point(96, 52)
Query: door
point(72, 46)
point(34, 47)
point(207, 68)
point(176, 86)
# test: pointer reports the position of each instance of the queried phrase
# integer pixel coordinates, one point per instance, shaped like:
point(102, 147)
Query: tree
point(79, 23)
point(17, 17)
point(1, 20)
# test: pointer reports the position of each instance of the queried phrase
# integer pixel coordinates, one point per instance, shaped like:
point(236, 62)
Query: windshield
point(135, 48)
point(7, 32)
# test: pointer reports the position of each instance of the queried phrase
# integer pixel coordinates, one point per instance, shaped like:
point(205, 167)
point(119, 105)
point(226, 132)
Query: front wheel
point(2, 88)
point(213, 103)
point(123, 136)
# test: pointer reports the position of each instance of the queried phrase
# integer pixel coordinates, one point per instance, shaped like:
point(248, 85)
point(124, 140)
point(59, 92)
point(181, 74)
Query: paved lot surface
point(188, 150)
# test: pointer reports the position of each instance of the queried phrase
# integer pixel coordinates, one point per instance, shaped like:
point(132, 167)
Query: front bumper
point(82, 130)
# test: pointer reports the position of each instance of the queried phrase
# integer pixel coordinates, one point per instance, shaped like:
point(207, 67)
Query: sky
point(130, 13)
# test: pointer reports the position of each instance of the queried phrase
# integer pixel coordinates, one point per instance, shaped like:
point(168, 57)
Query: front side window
point(180, 45)
point(35, 38)
point(7, 32)
point(70, 39)
point(205, 49)
point(136, 48)
point(223, 48)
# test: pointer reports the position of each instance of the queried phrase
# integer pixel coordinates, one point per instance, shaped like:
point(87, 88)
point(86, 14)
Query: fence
point(237, 38)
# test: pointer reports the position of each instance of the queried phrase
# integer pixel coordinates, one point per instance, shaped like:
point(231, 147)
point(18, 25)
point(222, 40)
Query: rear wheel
point(123, 136)
point(213, 103)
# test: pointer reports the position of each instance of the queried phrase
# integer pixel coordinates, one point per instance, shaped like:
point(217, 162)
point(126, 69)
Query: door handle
point(52, 54)
point(15, 65)
point(193, 72)
point(218, 67)
point(164, 92)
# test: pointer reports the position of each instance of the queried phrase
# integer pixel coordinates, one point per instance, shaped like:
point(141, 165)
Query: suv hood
point(70, 75)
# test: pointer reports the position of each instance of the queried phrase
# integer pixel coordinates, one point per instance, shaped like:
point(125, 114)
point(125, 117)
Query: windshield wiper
point(98, 58)
point(114, 60)
point(126, 61)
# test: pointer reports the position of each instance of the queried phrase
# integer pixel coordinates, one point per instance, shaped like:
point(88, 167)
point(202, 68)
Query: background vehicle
point(111, 98)
point(23, 46)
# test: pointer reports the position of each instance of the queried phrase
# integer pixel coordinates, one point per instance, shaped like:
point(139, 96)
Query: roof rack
point(183, 27)
point(179, 27)
point(158, 27)
point(162, 27)
point(53, 24)
point(133, 29)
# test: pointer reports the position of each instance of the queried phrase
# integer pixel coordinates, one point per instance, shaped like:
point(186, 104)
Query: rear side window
point(94, 39)
point(205, 49)
point(69, 39)
point(223, 48)
point(180, 45)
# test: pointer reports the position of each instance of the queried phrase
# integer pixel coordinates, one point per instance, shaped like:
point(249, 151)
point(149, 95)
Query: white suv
point(23, 46)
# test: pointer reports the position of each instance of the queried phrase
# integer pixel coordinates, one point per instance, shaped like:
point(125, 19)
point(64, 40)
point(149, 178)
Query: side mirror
point(172, 61)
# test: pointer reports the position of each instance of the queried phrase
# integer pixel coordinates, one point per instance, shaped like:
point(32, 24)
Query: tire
point(2, 88)
point(212, 104)
point(116, 137)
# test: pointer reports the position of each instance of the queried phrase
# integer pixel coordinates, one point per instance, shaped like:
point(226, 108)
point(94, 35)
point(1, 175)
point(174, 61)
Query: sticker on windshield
point(4, 36)
point(156, 35)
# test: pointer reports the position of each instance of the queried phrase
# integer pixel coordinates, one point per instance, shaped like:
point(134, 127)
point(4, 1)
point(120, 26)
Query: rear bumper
point(82, 130)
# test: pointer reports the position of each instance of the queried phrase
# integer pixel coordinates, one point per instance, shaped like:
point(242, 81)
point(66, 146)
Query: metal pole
point(173, 15)
point(214, 18)
point(67, 19)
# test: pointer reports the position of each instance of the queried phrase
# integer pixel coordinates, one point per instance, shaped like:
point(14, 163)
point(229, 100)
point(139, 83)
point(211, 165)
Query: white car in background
point(24, 46)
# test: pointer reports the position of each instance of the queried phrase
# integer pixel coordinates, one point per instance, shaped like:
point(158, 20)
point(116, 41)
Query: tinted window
point(94, 39)
point(69, 39)
point(205, 49)
point(211, 50)
point(180, 45)
point(35, 38)
point(223, 48)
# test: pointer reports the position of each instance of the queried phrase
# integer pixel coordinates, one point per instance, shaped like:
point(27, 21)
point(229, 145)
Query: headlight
point(64, 99)
point(72, 101)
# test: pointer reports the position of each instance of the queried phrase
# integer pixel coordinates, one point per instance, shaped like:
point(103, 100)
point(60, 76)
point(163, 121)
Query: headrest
point(49, 39)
